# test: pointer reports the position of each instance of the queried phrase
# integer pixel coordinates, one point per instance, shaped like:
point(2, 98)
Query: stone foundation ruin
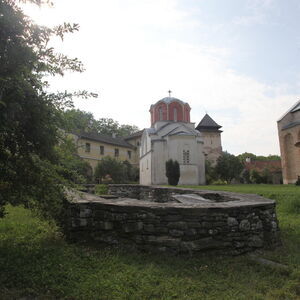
point(174, 220)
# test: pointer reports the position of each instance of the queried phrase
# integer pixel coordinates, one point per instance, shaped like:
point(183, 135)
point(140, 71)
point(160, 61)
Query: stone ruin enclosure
point(174, 220)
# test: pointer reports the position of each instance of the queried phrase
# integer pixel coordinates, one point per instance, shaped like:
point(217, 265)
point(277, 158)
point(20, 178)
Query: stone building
point(289, 141)
point(211, 134)
point(171, 136)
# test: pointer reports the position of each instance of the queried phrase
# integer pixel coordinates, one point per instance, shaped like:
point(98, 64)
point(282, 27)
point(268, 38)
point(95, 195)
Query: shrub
point(210, 172)
point(101, 189)
point(219, 182)
point(172, 171)
point(112, 167)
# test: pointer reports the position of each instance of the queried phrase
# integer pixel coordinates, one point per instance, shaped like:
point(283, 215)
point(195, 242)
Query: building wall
point(94, 155)
point(290, 154)
point(212, 146)
point(159, 148)
point(136, 142)
point(145, 159)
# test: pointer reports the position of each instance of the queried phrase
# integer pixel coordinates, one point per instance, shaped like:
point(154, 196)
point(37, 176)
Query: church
point(173, 136)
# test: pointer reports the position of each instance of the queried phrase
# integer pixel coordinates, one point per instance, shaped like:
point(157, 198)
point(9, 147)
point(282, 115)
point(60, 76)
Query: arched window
point(160, 114)
point(175, 114)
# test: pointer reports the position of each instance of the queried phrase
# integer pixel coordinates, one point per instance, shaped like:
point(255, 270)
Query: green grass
point(36, 261)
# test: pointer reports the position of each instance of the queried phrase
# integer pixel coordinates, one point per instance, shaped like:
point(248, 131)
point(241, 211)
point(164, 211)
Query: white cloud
point(133, 56)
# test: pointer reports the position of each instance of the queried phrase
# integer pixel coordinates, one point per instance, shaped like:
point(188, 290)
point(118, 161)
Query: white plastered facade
point(172, 140)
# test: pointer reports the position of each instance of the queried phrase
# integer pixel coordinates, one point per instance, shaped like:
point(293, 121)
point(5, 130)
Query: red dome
point(170, 109)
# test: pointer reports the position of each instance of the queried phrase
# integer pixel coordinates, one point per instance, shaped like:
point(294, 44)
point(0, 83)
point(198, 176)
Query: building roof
point(260, 165)
point(168, 100)
point(134, 135)
point(207, 123)
point(294, 108)
point(118, 141)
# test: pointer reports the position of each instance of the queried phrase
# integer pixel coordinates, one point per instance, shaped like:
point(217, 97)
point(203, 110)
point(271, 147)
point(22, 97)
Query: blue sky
point(238, 60)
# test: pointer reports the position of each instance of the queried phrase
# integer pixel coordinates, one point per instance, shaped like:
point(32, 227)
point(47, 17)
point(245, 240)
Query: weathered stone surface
point(239, 224)
point(244, 225)
point(232, 222)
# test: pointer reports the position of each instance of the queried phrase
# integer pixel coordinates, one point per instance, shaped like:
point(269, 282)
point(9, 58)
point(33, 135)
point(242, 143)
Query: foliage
point(72, 166)
point(245, 176)
point(255, 177)
point(75, 120)
point(242, 157)
point(118, 171)
point(36, 262)
point(228, 167)
point(101, 189)
point(298, 181)
point(210, 172)
point(172, 171)
point(219, 182)
point(29, 115)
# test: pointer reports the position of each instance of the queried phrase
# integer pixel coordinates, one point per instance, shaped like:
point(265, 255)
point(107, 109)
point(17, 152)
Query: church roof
point(168, 100)
point(207, 123)
point(118, 141)
point(294, 108)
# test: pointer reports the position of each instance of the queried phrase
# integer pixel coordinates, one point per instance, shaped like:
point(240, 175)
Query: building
point(211, 134)
point(92, 147)
point(272, 166)
point(289, 141)
point(171, 136)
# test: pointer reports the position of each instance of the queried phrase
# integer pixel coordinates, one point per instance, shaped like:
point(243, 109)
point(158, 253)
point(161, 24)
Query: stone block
point(244, 225)
point(83, 222)
point(232, 222)
point(177, 225)
point(85, 213)
point(106, 225)
point(132, 227)
point(255, 241)
point(176, 233)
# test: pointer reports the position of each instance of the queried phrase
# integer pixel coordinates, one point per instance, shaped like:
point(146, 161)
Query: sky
point(237, 60)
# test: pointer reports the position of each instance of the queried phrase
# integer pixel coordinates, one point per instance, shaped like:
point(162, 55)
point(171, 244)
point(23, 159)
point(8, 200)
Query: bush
point(101, 189)
point(219, 182)
point(111, 170)
point(172, 171)
point(210, 172)
point(112, 167)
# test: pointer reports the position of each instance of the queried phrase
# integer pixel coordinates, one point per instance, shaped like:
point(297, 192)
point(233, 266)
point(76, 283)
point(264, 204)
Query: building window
point(138, 143)
point(129, 154)
point(87, 147)
point(175, 114)
point(186, 157)
point(102, 150)
point(116, 152)
point(160, 114)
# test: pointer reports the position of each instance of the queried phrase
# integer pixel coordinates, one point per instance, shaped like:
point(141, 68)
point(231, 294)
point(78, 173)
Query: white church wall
point(159, 158)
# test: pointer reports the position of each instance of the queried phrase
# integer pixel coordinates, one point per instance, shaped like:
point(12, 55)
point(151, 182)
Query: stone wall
point(244, 223)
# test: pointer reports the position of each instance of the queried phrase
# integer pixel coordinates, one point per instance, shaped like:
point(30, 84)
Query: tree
point(210, 172)
point(228, 167)
point(75, 120)
point(172, 171)
point(29, 115)
point(109, 126)
point(112, 167)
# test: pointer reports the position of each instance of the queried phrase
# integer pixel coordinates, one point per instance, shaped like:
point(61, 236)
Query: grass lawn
point(36, 261)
